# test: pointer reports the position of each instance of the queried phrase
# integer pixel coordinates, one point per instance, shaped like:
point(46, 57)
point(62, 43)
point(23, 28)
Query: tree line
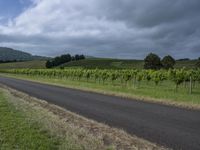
point(63, 59)
point(153, 61)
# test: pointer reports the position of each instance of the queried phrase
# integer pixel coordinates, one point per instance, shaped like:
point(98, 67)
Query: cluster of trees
point(153, 61)
point(63, 59)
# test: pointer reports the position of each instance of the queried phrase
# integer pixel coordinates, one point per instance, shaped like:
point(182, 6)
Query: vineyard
point(188, 79)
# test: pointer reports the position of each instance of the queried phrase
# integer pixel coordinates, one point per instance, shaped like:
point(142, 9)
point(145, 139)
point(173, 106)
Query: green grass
point(191, 64)
point(35, 64)
point(16, 132)
point(164, 92)
point(105, 63)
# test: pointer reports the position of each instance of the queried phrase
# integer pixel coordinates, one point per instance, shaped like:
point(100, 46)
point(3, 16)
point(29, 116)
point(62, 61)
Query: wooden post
point(190, 85)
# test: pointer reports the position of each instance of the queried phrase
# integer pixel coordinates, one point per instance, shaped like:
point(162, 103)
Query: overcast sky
point(102, 28)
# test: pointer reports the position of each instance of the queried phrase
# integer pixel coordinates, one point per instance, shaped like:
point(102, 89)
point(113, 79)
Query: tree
point(77, 57)
point(49, 64)
point(65, 58)
point(168, 62)
point(81, 57)
point(152, 61)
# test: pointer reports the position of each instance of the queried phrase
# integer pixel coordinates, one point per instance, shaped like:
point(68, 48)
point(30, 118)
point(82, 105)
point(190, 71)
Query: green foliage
point(168, 62)
point(63, 59)
point(124, 76)
point(178, 76)
point(152, 61)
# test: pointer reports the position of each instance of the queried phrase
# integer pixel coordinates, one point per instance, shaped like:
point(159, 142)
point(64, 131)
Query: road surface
point(165, 125)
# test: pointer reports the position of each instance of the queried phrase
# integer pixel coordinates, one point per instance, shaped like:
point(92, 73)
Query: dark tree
point(152, 61)
point(81, 57)
point(49, 64)
point(57, 61)
point(65, 58)
point(73, 58)
point(77, 57)
point(168, 62)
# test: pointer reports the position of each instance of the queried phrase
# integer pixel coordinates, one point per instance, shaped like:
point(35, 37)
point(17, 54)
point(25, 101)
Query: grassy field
point(36, 64)
point(103, 63)
point(164, 92)
point(92, 63)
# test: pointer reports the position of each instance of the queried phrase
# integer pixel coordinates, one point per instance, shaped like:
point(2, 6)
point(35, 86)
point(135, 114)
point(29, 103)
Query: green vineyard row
point(124, 77)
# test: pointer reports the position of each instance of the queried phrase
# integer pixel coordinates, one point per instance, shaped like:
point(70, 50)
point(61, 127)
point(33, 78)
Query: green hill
point(9, 54)
point(103, 63)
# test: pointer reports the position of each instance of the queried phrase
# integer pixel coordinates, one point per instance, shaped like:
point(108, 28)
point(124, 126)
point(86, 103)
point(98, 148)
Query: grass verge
point(55, 128)
point(162, 93)
point(19, 132)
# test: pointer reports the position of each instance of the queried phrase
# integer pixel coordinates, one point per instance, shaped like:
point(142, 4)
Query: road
point(165, 125)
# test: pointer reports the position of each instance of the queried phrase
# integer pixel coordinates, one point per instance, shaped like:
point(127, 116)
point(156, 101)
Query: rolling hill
point(27, 60)
point(9, 54)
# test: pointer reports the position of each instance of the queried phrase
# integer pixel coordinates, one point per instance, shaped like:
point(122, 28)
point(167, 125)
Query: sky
point(128, 29)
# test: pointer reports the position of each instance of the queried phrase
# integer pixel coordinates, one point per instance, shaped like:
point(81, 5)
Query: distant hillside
point(9, 54)
point(106, 63)
point(103, 63)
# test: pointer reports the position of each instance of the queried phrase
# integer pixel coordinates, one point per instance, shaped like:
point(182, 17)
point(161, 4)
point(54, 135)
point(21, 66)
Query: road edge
point(110, 135)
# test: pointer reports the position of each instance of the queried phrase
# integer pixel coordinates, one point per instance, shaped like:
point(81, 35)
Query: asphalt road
point(168, 126)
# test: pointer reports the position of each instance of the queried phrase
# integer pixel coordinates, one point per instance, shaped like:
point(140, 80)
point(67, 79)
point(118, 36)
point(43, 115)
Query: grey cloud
point(115, 28)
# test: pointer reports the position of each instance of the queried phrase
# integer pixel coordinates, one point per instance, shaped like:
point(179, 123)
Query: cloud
point(106, 28)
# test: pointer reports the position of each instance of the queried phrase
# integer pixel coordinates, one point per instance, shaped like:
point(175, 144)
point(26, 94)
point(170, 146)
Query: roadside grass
point(27, 123)
point(164, 92)
point(17, 132)
point(35, 64)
